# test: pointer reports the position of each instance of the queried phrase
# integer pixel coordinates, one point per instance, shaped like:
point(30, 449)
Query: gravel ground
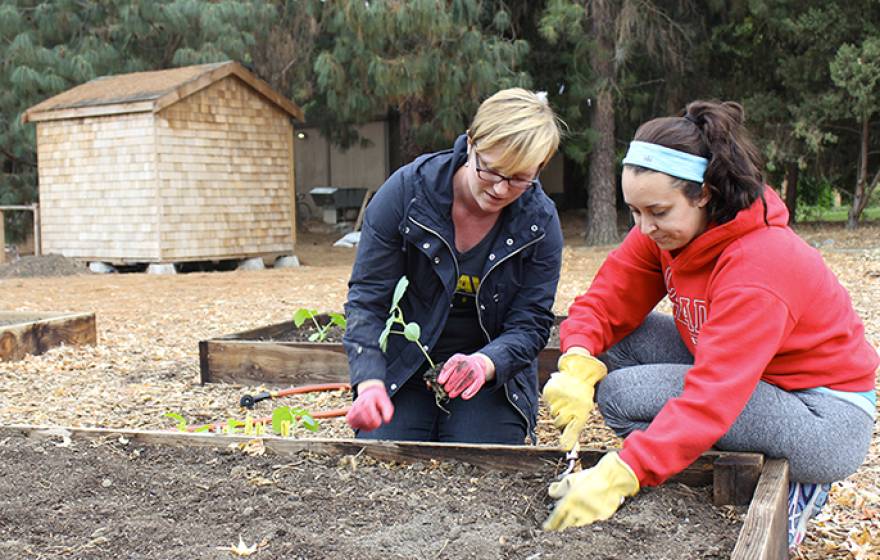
point(146, 361)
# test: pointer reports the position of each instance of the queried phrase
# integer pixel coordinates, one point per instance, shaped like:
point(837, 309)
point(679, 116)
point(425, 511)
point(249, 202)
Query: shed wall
point(97, 187)
point(225, 171)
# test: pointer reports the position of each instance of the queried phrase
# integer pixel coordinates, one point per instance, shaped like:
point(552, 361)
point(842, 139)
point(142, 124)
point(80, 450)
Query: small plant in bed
point(411, 331)
point(322, 331)
point(281, 423)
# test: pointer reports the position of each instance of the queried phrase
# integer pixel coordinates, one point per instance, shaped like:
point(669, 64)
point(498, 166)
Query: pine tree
point(430, 61)
point(606, 40)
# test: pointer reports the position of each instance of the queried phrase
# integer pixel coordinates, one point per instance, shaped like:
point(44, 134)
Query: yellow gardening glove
point(591, 495)
point(569, 393)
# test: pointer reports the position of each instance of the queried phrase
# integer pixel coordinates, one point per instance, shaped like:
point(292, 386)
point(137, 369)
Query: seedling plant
point(322, 331)
point(411, 331)
point(280, 423)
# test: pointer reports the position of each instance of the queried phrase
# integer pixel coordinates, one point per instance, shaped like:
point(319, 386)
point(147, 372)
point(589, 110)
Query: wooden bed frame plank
point(255, 357)
point(39, 331)
point(764, 535)
point(511, 458)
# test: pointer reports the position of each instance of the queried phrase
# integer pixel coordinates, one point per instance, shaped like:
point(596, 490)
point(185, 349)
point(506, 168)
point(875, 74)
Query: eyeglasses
point(492, 177)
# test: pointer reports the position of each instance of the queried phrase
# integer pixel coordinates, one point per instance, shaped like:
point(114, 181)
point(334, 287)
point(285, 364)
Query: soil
point(46, 265)
point(118, 499)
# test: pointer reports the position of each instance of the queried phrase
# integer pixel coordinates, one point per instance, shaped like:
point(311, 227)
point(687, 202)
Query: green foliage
point(284, 417)
point(430, 61)
point(283, 420)
point(411, 331)
point(855, 71)
point(182, 425)
point(181, 421)
point(334, 319)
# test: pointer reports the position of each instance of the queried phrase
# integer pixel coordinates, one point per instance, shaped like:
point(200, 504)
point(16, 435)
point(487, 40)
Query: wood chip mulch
point(146, 361)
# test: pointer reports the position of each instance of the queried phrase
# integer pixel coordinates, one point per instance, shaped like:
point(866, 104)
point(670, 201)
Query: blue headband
point(666, 160)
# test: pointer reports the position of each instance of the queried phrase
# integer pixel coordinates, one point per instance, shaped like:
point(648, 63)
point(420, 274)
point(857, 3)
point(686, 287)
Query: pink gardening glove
point(463, 375)
point(371, 409)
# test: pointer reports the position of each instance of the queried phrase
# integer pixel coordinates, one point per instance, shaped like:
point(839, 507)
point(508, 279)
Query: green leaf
point(316, 336)
point(203, 429)
point(279, 415)
point(181, 421)
point(412, 332)
point(301, 316)
point(305, 418)
point(309, 423)
point(339, 320)
point(399, 290)
point(383, 337)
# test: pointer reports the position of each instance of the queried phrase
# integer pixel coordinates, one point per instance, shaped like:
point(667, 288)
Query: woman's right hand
point(372, 408)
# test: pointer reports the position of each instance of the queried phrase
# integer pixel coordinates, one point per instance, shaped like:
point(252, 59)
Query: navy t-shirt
point(462, 332)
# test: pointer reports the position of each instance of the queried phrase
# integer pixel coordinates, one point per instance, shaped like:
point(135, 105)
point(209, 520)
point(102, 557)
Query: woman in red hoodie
point(763, 351)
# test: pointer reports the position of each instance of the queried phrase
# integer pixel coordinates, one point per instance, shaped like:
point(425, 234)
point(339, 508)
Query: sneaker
point(804, 502)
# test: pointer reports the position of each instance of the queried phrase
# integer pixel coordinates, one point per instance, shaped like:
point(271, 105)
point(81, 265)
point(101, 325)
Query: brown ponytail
point(715, 131)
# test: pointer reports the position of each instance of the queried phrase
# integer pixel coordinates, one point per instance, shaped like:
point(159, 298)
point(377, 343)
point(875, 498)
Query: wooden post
point(2, 239)
point(764, 534)
point(292, 177)
point(735, 478)
point(360, 217)
point(37, 242)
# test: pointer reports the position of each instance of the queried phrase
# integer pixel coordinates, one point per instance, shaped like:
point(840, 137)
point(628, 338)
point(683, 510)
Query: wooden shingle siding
point(192, 163)
point(224, 175)
point(97, 187)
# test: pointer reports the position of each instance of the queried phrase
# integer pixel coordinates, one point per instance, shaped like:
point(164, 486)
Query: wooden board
point(491, 456)
point(763, 535)
point(256, 357)
point(35, 333)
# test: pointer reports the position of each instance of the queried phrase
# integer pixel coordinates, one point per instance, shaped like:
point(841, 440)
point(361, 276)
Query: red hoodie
point(751, 303)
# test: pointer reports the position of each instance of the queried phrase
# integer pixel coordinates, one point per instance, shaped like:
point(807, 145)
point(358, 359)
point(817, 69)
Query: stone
point(161, 268)
point(288, 261)
point(253, 263)
point(99, 267)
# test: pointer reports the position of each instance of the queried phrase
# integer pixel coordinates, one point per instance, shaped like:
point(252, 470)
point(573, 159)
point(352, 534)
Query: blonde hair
point(521, 125)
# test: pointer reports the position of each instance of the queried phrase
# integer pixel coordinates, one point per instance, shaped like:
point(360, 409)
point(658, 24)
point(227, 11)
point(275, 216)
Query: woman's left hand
point(465, 374)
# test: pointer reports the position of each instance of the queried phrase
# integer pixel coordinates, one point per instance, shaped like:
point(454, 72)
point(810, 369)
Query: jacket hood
point(709, 245)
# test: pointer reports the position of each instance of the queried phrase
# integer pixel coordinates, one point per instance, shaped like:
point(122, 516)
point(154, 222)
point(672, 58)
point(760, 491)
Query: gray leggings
point(823, 437)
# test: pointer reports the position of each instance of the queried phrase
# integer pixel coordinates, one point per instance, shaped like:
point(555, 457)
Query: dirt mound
point(46, 265)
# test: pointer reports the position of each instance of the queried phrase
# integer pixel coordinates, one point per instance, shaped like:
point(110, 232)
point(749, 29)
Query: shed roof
point(148, 91)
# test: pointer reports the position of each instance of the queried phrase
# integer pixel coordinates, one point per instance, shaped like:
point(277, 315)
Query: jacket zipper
point(451, 253)
point(486, 333)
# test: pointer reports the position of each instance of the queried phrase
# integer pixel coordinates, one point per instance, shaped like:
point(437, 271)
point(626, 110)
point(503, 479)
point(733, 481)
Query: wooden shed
point(187, 164)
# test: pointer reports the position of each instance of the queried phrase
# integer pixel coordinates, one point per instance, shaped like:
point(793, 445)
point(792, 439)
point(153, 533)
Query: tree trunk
point(792, 174)
point(601, 209)
point(858, 204)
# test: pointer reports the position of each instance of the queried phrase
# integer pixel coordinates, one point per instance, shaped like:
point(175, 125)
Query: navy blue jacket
point(408, 231)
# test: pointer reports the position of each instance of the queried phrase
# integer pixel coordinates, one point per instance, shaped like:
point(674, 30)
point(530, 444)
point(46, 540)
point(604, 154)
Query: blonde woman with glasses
point(480, 243)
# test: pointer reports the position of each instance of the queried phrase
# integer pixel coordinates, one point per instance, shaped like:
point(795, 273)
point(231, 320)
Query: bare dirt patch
point(127, 500)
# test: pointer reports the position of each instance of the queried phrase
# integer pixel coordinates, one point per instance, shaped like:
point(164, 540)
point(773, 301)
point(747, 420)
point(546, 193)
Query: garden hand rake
point(572, 459)
point(248, 401)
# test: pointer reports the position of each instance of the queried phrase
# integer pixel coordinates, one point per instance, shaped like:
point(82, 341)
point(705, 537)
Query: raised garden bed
point(280, 355)
point(23, 333)
point(111, 494)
